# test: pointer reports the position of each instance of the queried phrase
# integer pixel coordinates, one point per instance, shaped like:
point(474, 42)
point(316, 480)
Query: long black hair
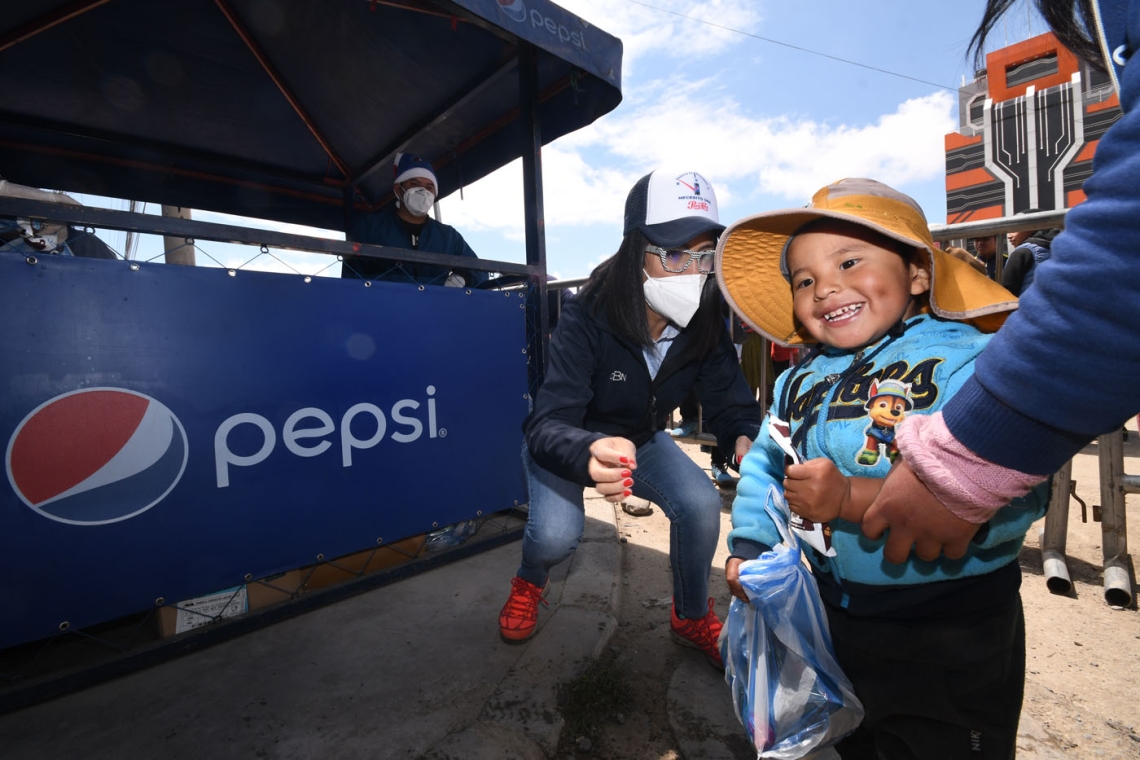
point(614, 291)
point(1073, 21)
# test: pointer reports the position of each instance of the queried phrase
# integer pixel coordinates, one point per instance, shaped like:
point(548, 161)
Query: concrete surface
point(410, 670)
point(414, 669)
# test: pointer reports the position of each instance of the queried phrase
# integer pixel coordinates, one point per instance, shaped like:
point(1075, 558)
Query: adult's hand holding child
point(915, 518)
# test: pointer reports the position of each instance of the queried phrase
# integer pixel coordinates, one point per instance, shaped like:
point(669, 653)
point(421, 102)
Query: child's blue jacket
point(824, 401)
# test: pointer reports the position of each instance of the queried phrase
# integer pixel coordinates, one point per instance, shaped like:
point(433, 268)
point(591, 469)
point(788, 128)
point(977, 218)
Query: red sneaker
point(520, 614)
point(701, 633)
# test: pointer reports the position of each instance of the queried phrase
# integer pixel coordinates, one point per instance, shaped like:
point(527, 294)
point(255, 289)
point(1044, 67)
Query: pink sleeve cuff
point(969, 486)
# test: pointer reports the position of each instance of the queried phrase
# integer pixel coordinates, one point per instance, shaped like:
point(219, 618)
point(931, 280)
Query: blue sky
point(766, 123)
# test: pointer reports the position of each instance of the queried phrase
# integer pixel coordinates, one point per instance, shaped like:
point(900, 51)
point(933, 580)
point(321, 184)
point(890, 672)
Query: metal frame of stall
point(532, 274)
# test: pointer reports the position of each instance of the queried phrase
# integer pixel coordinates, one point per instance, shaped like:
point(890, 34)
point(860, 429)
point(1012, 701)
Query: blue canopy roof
point(283, 109)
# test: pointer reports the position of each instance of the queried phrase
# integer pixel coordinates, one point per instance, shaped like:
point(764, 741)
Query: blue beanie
point(408, 167)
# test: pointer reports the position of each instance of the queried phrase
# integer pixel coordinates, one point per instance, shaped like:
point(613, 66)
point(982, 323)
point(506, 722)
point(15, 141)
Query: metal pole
point(1041, 220)
point(1113, 526)
point(538, 320)
point(1054, 534)
point(178, 251)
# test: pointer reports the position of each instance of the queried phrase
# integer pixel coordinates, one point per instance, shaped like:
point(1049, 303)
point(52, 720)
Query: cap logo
point(692, 195)
point(689, 189)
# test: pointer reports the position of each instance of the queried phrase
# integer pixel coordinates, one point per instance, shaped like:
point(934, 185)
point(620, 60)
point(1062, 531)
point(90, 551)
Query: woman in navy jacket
point(645, 331)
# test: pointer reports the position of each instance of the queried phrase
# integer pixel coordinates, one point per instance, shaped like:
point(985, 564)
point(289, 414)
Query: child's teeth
point(840, 312)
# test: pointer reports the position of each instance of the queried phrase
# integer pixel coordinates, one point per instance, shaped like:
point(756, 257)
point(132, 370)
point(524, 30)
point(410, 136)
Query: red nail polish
point(626, 473)
point(628, 492)
point(628, 482)
point(623, 460)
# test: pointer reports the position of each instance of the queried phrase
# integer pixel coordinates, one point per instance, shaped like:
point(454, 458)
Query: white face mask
point(676, 298)
point(418, 200)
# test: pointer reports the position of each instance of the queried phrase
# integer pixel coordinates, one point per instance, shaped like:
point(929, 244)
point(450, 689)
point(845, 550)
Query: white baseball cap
point(672, 208)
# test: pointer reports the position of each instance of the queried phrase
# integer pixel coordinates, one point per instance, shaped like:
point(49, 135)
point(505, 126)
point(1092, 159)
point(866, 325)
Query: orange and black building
point(1030, 123)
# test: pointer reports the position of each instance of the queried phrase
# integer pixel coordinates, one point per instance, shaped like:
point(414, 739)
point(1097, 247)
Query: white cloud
point(574, 192)
point(898, 148)
point(588, 174)
point(669, 28)
point(669, 118)
point(789, 157)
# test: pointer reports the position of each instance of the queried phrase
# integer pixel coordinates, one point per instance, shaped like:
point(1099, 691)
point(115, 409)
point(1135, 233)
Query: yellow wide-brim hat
point(750, 260)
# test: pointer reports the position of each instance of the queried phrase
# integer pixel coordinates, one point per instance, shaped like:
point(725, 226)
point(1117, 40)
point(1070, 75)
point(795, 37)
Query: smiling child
point(935, 650)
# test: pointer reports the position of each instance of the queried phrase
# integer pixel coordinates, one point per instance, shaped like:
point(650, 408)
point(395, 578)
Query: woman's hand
point(612, 462)
point(816, 490)
point(913, 517)
point(743, 445)
point(732, 575)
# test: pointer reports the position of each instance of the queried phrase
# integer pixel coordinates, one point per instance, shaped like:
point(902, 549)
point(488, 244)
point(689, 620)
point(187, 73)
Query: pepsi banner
point(172, 431)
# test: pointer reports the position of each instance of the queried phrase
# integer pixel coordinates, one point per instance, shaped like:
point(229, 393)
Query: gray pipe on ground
point(1055, 532)
point(1114, 526)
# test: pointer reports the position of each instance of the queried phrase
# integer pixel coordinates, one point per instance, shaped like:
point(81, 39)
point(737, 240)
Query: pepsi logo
point(96, 456)
point(513, 8)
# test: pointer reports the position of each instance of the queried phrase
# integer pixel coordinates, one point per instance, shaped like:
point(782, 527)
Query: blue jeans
point(666, 476)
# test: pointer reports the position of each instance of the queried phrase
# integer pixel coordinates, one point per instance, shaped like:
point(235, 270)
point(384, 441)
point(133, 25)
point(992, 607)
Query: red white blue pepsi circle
point(96, 456)
point(516, 9)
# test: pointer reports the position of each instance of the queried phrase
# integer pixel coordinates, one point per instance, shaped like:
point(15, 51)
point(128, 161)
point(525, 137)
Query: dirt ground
point(1082, 692)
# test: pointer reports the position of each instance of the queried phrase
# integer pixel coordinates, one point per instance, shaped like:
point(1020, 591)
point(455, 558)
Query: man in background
point(1028, 248)
point(985, 248)
point(406, 224)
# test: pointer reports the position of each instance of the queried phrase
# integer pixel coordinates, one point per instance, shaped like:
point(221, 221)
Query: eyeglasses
point(677, 260)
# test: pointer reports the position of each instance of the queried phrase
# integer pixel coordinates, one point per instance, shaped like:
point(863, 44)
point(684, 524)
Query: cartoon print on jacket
point(887, 405)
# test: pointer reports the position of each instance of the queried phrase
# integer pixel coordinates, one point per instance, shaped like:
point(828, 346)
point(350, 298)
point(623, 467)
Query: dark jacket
point(598, 386)
point(384, 227)
point(1017, 274)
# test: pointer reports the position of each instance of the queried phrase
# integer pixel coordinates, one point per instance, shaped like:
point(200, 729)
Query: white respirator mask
point(676, 298)
point(418, 200)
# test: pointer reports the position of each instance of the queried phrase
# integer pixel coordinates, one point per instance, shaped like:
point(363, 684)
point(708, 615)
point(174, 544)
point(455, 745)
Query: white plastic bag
point(790, 694)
